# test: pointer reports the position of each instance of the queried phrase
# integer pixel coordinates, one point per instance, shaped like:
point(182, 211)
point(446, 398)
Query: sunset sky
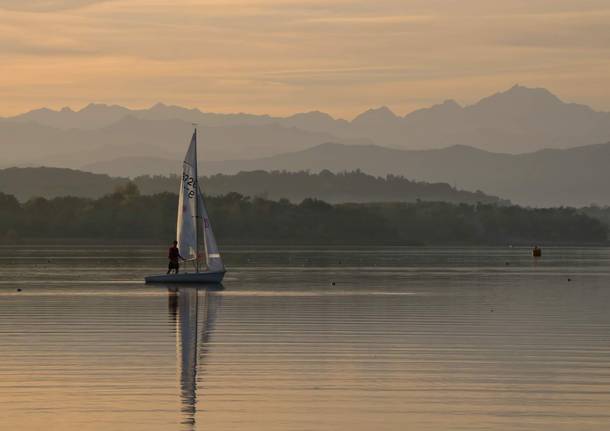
point(286, 56)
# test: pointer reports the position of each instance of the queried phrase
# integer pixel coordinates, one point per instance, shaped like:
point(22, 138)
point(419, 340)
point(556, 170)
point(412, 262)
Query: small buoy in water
point(333, 283)
point(18, 289)
point(569, 279)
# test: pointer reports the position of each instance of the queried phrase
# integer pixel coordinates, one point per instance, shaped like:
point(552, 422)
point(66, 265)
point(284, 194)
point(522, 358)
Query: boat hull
point(192, 278)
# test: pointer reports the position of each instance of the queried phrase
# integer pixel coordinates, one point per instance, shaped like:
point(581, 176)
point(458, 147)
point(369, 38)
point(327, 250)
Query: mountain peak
point(161, 108)
point(531, 91)
point(158, 105)
point(382, 113)
point(100, 107)
point(448, 107)
point(382, 110)
point(91, 106)
point(313, 114)
point(450, 103)
point(519, 94)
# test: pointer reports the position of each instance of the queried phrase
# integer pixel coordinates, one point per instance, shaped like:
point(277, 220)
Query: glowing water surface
point(405, 338)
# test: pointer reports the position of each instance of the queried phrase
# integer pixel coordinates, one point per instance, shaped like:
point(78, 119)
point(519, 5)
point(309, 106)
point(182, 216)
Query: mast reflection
point(196, 312)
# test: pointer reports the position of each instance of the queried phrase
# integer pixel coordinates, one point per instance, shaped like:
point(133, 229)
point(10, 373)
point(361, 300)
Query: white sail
point(186, 226)
point(213, 259)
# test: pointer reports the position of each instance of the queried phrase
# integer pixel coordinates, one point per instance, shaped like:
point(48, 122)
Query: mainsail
point(193, 225)
point(186, 226)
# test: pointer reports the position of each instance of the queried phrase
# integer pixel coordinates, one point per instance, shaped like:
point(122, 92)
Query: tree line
point(127, 214)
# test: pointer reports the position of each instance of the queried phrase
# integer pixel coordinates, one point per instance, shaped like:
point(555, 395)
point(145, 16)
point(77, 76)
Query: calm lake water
point(405, 339)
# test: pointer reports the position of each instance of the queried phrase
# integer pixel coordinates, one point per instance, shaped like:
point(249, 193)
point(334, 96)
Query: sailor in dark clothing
point(174, 256)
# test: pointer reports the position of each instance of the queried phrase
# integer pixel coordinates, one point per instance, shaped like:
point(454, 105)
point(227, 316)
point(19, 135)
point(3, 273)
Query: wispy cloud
point(46, 5)
point(285, 55)
point(375, 19)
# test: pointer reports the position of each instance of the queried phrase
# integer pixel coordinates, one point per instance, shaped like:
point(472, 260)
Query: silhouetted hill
point(353, 186)
point(132, 167)
point(576, 177)
point(26, 183)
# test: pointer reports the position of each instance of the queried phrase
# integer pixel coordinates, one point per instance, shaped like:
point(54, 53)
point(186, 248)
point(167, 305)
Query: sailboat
point(195, 237)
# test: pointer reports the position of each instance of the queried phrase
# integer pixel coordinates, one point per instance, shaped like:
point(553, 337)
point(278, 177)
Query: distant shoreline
point(127, 217)
point(58, 241)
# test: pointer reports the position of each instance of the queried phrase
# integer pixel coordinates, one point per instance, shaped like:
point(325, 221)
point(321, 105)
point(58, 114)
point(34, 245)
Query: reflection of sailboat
point(196, 315)
point(195, 237)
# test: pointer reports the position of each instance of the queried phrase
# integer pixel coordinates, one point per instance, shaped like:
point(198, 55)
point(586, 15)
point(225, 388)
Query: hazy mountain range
point(446, 142)
point(518, 120)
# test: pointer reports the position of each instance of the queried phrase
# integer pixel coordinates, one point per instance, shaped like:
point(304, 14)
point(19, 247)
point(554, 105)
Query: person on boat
point(174, 258)
point(536, 251)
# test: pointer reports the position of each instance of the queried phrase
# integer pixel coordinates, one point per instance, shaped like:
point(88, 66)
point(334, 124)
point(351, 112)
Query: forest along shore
point(126, 214)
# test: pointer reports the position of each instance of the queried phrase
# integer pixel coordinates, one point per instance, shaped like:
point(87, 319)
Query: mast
point(188, 206)
point(197, 216)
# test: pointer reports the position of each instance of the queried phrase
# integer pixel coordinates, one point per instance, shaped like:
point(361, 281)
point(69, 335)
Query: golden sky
point(286, 56)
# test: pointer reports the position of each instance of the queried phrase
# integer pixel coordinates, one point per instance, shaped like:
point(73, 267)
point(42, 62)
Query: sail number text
point(190, 185)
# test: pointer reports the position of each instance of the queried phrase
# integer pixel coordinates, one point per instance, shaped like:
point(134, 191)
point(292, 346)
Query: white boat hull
point(192, 277)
